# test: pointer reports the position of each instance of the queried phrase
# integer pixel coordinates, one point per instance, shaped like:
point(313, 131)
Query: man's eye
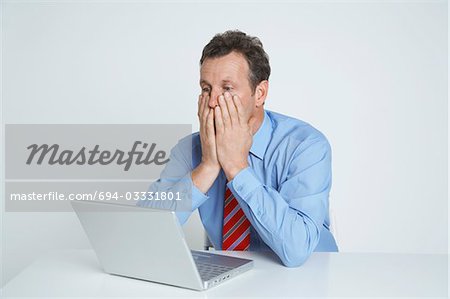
point(205, 89)
point(228, 88)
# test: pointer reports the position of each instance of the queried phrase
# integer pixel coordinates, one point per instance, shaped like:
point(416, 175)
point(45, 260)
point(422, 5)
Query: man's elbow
point(297, 253)
point(294, 259)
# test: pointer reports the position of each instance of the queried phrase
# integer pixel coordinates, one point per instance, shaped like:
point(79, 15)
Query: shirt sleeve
point(289, 218)
point(176, 177)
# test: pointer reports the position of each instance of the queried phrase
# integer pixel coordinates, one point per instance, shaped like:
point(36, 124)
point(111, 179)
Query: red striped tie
point(236, 227)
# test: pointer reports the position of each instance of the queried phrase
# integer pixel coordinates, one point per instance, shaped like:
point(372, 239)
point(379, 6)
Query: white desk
point(77, 273)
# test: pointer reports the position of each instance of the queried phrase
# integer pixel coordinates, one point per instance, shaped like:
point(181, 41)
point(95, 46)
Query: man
point(259, 179)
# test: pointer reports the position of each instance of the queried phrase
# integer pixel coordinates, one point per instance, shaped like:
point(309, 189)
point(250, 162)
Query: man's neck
point(259, 115)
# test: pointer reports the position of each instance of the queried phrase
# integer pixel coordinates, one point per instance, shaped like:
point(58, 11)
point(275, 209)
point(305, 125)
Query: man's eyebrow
point(203, 81)
point(227, 81)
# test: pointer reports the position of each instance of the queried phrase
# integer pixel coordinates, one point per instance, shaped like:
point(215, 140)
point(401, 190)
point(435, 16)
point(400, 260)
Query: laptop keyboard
point(208, 271)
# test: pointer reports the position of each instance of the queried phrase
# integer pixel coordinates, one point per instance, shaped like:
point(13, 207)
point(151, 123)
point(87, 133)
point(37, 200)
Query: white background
point(372, 76)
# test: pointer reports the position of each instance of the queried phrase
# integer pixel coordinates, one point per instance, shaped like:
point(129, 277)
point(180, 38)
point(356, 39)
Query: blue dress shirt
point(283, 192)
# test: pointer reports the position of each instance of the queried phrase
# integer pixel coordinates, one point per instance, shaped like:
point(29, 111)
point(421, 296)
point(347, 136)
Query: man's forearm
point(203, 176)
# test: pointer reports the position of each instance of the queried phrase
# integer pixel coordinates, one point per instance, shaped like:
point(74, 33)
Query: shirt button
point(239, 188)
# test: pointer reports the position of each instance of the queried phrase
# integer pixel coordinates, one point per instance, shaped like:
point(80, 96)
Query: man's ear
point(261, 93)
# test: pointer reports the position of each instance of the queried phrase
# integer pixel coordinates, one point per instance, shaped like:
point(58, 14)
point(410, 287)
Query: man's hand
point(207, 133)
point(233, 134)
point(207, 171)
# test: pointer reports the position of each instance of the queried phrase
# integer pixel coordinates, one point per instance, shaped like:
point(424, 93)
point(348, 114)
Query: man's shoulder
point(191, 140)
point(294, 129)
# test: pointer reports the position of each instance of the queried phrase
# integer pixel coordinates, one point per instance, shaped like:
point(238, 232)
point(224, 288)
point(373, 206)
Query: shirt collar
point(262, 137)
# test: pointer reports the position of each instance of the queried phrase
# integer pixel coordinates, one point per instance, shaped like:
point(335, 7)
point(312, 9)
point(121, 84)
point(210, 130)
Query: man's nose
point(214, 99)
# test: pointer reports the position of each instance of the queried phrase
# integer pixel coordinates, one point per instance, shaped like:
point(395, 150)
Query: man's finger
point(210, 123)
point(234, 118)
point(204, 119)
point(200, 98)
point(204, 108)
point(239, 109)
point(224, 111)
point(219, 120)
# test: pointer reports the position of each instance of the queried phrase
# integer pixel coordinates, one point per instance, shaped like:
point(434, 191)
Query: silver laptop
point(149, 244)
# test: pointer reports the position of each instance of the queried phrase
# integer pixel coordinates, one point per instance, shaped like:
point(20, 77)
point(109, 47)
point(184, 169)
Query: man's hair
point(249, 46)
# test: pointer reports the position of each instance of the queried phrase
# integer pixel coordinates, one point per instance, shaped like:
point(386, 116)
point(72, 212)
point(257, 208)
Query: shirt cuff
point(198, 197)
point(244, 183)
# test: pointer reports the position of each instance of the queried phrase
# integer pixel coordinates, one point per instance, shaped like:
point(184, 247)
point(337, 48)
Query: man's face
point(227, 73)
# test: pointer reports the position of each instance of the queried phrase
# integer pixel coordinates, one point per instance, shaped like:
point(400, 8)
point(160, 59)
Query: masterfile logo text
point(52, 154)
